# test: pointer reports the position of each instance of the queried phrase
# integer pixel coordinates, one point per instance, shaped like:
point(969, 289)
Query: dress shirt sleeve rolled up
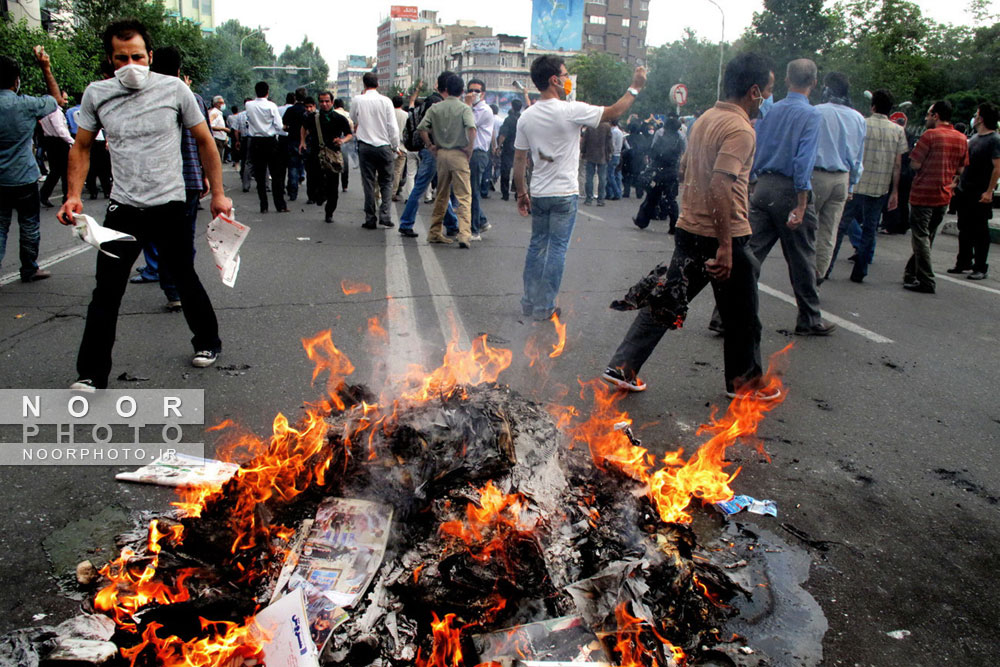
point(857, 160)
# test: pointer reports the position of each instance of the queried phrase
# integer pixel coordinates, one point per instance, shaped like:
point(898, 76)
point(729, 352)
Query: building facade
point(349, 74)
point(30, 11)
point(200, 12)
point(616, 27)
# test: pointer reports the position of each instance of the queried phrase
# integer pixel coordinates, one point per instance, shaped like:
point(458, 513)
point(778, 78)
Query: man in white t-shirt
point(550, 129)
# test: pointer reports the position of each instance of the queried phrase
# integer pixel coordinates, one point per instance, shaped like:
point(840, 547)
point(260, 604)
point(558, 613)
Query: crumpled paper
point(89, 231)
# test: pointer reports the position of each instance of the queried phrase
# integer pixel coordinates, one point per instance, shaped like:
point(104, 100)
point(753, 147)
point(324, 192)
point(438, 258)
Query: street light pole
point(258, 30)
point(722, 49)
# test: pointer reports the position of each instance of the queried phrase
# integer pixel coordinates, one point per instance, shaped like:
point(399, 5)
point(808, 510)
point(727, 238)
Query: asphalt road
point(884, 448)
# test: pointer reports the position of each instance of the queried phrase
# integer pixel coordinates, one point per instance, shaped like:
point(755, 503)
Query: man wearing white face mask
point(142, 114)
point(480, 161)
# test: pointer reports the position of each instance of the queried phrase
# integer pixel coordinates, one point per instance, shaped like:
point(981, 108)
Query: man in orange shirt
point(711, 242)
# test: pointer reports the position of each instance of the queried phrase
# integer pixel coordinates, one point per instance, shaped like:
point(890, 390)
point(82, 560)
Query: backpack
point(411, 136)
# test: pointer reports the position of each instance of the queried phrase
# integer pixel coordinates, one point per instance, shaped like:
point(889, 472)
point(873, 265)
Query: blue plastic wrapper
point(740, 503)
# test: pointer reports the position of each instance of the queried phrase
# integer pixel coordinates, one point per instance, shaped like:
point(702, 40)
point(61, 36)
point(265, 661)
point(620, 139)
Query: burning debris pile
point(454, 524)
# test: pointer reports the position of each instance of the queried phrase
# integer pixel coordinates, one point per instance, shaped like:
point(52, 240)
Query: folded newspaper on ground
point(748, 503)
point(225, 236)
point(182, 470)
point(337, 561)
point(89, 231)
point(559, 641)
point(285, 626)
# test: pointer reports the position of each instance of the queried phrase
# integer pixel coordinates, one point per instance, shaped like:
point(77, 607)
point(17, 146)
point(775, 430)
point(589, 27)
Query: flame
point(224, 642)
point(677, 481)
point(446, 649)
point(495, 510)
point(321, 350)
point(480, 364)
point(629, 647)
point(350, 287)
point(557, 349)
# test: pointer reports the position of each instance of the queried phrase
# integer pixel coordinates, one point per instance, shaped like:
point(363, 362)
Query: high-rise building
point(617, 27)
point(349, 73)
point(201, 12)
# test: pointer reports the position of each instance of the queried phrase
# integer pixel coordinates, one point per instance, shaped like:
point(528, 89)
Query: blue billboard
point(557, 24)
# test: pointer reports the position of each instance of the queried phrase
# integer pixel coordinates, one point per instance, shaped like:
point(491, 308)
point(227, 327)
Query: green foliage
point(71, 68)
point(304, 55)
point(601, 78)
point(231, 75)
point(691, 61)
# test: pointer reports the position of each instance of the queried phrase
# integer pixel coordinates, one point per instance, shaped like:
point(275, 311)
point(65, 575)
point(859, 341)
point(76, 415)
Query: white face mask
point(476, 97)
point(132, 75)
point(222, 107)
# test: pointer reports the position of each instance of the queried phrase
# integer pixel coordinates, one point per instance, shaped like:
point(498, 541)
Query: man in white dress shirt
point(264, 126)
point(377, 134)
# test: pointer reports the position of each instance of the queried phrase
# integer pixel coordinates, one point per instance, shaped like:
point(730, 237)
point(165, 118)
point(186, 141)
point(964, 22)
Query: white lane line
point(444, 305)
point(48, 261)
point(967, 283)
point(405, 344)
point(839, 321)
point(590, 215)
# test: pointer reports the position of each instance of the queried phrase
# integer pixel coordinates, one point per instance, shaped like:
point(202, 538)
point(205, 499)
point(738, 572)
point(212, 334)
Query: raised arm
point(624, 103)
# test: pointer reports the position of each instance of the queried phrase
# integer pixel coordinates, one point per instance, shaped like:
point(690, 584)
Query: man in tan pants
point(453, 128)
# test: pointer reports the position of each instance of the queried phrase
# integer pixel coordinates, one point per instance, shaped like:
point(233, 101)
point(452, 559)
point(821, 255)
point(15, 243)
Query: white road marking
point(968, 283)
point(49, 261)
point(839, 321)
point(405, 344)
point(444, 304)
point(590, 215)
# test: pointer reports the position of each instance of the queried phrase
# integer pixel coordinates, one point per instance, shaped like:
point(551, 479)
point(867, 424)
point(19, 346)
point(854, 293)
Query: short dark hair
point(370, 79)
point(516, 104)
point(481, 83)
point(261, 89)
point(166, 60)
point(495, 109)
point(309, 100)
point(289, 98)
point(838, 84)
point(989, 114)
point(300, 93)
point(234, 108)
point(125, 29)
point(544, 68)
point(442, 84)
point(454, 86)
point(325, 92)
point(943, 110)
point(744, 72)
point(397, 101)
point(10, 70)
point(338, 103)
point(882, 101)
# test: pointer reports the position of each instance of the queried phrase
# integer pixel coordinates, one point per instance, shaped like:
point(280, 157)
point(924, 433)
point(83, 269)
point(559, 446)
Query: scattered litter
point(38, 617)
point(86, 573)
point(733, 566)
point(746, 650)
point(234, 369)
point(225, 236)
point(125, 377)
point(19, 316)
point(302, 238)
point(752, 505)
point(87, 230)
point(899, 634)
point(181, 470)
point(558, 641)
point(288, 641)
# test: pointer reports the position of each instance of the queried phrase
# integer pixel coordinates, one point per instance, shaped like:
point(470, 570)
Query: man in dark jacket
point(665, 155)
point(505, 147)
point(634, 157)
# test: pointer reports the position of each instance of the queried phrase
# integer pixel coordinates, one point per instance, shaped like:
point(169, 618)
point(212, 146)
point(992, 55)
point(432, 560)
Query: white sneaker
point(485, 228)
point(763, 395)
point(85, 386)
point(204, 358)
point(475, 237)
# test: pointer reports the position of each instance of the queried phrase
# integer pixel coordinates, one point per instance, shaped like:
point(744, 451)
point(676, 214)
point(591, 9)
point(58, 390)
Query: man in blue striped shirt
point(780, 207)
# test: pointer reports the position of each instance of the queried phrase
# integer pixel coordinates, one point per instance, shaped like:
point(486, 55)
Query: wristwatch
point(635, 93)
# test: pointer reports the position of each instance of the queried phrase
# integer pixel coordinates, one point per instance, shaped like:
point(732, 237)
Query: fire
point(534, 352)
point(494, 511)
point(446, 649)
point(557, 349)
point(224, 643)
point(629, 646)
point(377, 331)
point(478, 365)
point(350, 287)
point(677, 481)
point(321, 350)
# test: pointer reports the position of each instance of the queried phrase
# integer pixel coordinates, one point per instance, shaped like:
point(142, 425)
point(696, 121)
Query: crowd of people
point(751, 173)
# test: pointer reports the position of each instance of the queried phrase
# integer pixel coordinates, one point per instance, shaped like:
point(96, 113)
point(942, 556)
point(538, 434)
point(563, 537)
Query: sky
point(349, 27)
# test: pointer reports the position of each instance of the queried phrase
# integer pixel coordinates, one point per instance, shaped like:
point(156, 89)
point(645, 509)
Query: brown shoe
point(437, 238)
point(40, 274)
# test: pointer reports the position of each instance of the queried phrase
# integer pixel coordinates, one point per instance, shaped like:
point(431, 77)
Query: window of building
point(626, 23)
point(598, 20)
point(642, 24)
point(206, 6)
point(643, 5)
point(597, 2)
point(597, 40)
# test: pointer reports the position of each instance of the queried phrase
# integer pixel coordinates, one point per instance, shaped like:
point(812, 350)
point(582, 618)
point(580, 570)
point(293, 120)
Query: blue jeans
point(425, 174)
point(602, 171)
point(478, 166)
point(864, 212)
point(24, 200)
point(552, 221)
point(296, 169)
point(614, 189)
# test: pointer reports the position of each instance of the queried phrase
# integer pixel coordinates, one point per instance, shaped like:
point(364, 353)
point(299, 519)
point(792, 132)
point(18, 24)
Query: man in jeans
point(614, 178)
point(377, 134)
point(939, 159)
point(143, 114)
point(18, 170)
point(596, 153)
point(479, 164)
point(550, 129)
point(426, 169)
point(712, 241)
point(453, 127)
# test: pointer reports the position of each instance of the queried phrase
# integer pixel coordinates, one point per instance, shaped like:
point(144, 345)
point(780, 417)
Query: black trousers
point(736, 299)
point(169, 228)
point(266, 156)
point(57, 151)
point(662, 194)
point(100, 169)
point(329, 188)
point(376, 171)
point(973, 232)
point(506, 169)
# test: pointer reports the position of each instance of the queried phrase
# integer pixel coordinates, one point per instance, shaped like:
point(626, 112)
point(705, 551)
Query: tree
point(229, 74)
point(600, 78)
point(691, 61)
point(71, 69)
point(304, 55)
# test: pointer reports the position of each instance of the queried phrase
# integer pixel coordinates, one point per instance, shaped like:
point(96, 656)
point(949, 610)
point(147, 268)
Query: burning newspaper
point(181, 470)
point(559, 641)
point(225, 236)
point(337, 561)
point(288, 643)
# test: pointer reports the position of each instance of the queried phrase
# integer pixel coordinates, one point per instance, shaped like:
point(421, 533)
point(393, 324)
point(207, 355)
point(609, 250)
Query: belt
point(830, 171)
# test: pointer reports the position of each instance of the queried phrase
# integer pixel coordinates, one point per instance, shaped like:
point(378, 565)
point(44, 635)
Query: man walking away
point(479, 164)
point(614, 177)
point(264, 124)
point(448, 129)
point(780, 209)
point(505, 146)
point(399, 159)
point(596, 153)
point(878, 187)
point(18, 170)
point(334, 132)
point(664, 158)
point(975, 194)
point(839, 152)
point(293, 118)
point(377, 134)
point(938, 159)
point(712, 243)
point(351, 149)
point(56, 141)
point(550, 130)
point(143, 114)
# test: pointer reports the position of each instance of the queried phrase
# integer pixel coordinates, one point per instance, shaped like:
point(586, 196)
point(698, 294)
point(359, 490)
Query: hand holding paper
point(225, 236)
point(87, 230)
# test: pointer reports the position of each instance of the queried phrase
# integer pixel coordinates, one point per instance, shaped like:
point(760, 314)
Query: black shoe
point(93, 196)
point(328, 219)
point(282, 210)
point(854, 279)
point(451, 233)
point(387, 223)
point(959, 269)
point(919, 287)
point(716, 327)
point(821, 329)
point(46, 203)
point(40, 274)
point(463, 244)
point(617, 379)
point(263, 209)
point(976, 275)
point(310, 201)
point(369, 225)
point(505, 197)
point(408, 233)
point(852, 257)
